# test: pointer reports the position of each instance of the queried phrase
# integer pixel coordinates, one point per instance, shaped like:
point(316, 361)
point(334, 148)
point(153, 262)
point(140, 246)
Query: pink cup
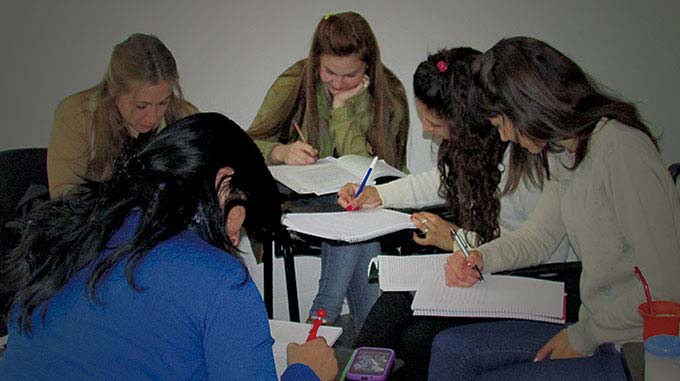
point(666, 319)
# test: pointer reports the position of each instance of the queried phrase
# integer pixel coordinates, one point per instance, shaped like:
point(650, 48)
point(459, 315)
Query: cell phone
point(370, 364)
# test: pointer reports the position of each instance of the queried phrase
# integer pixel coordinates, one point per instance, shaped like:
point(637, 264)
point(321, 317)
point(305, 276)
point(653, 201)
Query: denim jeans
point(504, 350)
point(344, 272)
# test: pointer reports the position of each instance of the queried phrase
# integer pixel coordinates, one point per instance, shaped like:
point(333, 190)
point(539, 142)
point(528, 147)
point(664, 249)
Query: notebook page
point(359, 164)
point(323, 177)
point(502, 296)
point(403, 273)
point(354, 226)
point(285, 332)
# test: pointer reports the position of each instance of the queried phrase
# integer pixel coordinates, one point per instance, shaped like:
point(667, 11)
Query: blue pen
point(366, 176)
point(363, 182)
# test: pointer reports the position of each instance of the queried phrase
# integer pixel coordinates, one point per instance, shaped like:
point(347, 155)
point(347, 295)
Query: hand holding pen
point(299, 152)
point(463, 270)
point(350, 206)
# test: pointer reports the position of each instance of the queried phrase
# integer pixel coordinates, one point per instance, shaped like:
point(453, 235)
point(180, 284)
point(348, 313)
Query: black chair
point(19, 170)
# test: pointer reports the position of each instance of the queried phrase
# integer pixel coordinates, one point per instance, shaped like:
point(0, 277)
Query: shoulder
point(186, 256)
point(613, 139)
point(296, 70)
point(76, 104)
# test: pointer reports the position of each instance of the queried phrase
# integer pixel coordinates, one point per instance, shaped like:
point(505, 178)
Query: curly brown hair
point(468, 160)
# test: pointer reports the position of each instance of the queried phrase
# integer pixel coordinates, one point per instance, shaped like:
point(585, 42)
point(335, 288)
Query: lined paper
point(356, 226)
point(285, 332)
point(503, 297)
point(403, 273)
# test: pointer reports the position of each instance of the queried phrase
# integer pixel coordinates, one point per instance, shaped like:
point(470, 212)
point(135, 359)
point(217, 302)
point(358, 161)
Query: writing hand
point(369, 197)
point(459, 271)
point(436, 230)
point(317, 355)
point(340, 99)
point(296, 153)
point(559, 347)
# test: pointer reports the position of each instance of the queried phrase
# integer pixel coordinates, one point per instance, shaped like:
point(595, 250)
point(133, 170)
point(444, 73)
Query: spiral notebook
point(357, 226)
point(502, 297)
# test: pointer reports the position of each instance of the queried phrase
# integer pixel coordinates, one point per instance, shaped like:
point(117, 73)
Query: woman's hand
point(559, 347)
point(340, 99)
point(296, 153)
point(460, 272)
point(317, 355)
point(369, 197)
point(437, 230)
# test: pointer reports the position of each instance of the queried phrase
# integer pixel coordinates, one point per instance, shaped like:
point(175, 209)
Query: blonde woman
point(140, 93)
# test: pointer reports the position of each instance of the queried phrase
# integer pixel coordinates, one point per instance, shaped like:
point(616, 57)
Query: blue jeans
point(504, 350)
point(344, 272)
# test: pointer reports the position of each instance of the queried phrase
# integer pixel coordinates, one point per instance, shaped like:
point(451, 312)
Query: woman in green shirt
point(343, 98)
point(345, 101)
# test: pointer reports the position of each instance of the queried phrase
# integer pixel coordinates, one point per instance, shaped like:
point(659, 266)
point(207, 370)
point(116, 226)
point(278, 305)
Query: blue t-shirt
point(199, 316)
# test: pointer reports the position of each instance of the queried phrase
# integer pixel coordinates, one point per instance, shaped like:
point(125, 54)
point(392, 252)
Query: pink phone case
point(370, 364)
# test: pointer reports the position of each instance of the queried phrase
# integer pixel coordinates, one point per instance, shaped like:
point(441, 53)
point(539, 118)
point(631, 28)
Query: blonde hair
point(140, 60)
point(344, 34)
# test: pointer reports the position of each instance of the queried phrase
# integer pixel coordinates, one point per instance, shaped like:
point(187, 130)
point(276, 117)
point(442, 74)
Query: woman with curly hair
point(481, 200)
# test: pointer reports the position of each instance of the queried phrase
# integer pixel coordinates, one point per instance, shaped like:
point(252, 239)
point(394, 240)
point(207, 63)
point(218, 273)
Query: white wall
point(229, 52)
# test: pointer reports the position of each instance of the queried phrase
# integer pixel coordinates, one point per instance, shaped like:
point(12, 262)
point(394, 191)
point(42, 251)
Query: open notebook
point(502, 297)
point(356, 226)
point(403, 273)
point(329, 174)
point(285, 332)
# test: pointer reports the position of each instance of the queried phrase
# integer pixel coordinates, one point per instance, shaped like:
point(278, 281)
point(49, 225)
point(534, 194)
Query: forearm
point(421, 189)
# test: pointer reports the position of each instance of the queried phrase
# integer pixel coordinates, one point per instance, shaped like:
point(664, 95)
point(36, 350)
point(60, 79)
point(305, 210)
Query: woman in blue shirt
point(138, 277)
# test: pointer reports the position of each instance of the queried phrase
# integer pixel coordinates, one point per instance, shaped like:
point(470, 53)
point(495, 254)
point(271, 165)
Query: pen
point(463, 248)
point(318, 319)
point(363, 182)
point(299, 131)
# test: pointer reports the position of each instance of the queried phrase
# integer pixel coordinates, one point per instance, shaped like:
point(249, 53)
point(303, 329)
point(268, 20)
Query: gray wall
point(229, 52)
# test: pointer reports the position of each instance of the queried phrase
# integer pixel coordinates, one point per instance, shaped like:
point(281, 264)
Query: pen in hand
point(299, 131)
point(463, 248)
point(318, 320)
point(363, 182)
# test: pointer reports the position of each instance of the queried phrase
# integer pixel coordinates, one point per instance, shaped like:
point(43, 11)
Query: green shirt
point(342, 131)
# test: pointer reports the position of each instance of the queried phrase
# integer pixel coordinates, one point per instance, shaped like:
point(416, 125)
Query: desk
point(285, 244)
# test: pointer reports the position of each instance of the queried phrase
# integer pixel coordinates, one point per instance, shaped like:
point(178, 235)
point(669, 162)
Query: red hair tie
point(442, 66)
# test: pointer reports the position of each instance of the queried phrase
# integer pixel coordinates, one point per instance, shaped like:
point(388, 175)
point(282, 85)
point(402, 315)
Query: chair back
point(19, 168)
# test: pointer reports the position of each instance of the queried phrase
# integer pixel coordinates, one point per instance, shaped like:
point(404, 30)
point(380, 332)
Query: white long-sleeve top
point(422, 189)
point(619, 209)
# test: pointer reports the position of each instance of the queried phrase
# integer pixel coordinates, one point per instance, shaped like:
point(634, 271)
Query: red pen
point(318, 319)
point(646, 287)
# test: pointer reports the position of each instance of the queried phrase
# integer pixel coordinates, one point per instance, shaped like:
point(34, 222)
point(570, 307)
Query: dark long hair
point(171, 181)
point(546, 95)
point(468, 160)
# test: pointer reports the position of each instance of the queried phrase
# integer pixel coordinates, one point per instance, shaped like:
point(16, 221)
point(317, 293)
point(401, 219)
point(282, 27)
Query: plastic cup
point(662, 358)
point(666, 319)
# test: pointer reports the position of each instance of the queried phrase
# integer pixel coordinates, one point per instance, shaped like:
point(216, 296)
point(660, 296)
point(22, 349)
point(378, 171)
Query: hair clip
point(327, 15)
point(442, 66)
